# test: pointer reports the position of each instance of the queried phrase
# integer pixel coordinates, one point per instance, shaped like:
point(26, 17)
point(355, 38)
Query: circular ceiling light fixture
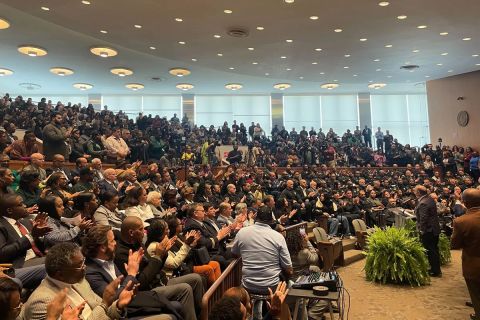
point(383, 3)
point(467, 39)
point(422, 27)
point(444, 33)
point(60, 71)
point(329, 86)
point(179, 72)
point(30, 86)
point(313, 17)
point(179, 19)
point(260, 28)
point(121, 72)
point(289, 1)
point(45, 8)
point(134, 86)
point(376, 86)
point(184, 86)
point(4, 24)
point(338, 30)
point(282, 86)
point(83, 86)
point(227, 11)
point(104, 52)
point(402, 17)
point(86, 2)
point(32, 51)
point(5, 72)
point(363, 39)
point(233, 86)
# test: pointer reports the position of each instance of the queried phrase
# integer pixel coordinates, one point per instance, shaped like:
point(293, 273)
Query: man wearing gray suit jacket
point(65, 267)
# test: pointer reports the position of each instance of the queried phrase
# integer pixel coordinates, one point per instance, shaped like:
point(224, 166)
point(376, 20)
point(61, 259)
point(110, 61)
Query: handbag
point(201, 256)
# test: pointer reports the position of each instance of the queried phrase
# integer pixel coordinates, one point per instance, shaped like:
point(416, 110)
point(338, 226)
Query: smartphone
point(302, 232)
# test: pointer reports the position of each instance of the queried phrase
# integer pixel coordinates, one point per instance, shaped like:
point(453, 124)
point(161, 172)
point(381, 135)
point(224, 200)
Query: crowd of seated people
point(75, 131)
point(170, 240)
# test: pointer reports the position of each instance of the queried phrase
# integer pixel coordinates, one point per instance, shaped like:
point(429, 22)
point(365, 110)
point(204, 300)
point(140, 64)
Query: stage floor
point(443, 299)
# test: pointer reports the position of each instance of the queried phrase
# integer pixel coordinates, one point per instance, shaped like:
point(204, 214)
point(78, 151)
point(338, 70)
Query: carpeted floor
point(443, 299)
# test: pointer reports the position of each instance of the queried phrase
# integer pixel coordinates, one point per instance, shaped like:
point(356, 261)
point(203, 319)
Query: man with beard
point(99, 250)
point(54, 138)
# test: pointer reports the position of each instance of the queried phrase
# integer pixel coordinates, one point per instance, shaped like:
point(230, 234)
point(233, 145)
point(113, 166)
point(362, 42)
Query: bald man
point(187, 289)
point(36, 162)
point(97, 171)
point(466, 236)
point(428, 226)
point(109, 181)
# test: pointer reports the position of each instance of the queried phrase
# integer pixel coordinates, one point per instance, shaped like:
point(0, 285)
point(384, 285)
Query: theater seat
point(330, 250)
point(361, 232)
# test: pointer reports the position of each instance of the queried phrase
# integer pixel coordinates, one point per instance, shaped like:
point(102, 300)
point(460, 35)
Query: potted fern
point(395, 256)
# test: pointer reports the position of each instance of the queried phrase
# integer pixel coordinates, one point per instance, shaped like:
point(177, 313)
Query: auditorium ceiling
point(306, 43)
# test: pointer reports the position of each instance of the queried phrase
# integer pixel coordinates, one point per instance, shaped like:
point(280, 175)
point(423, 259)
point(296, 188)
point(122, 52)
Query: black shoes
point(436, 275)
point(469, 304)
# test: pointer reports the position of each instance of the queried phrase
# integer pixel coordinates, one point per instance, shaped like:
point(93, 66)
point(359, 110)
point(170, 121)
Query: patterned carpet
point(443, 299)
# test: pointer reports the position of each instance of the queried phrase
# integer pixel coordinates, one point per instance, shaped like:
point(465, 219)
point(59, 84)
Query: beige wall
point(443, 108)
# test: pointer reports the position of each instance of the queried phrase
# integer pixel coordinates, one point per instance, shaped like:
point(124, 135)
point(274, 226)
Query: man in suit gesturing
point(466, 236)
point(429, 227)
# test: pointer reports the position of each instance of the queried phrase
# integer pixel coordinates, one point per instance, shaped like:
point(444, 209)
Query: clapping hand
point(222, 233)
point(32, 209)
point(127, 294)
point(111, 291)
point(134, 259)
point(85, 224)
point(277, 299)
point(40, 227)
point(61, 305)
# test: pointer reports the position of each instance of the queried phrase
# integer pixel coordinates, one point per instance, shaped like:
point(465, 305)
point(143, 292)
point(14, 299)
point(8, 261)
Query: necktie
point(24, 232)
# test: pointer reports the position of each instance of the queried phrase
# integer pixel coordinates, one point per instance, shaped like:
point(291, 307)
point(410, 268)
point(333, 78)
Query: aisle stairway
point(350, 253)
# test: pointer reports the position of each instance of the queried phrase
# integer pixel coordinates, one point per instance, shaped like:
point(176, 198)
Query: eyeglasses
point(82, 267)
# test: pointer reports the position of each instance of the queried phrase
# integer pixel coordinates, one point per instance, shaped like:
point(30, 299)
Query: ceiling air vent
point(409, 67)
point(238, 32)
point(157, 79)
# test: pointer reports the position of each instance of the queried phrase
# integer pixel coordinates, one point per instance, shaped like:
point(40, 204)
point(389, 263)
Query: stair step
point(352, 256)
point(349, 244)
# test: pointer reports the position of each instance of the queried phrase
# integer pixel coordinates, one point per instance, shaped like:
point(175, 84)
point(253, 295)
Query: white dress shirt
point(30, 254)
point(74, 296)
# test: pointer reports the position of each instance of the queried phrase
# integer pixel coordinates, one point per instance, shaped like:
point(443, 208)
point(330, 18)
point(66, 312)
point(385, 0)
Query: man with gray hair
point(65, 265)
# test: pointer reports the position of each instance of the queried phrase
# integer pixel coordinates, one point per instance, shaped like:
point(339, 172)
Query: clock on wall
point(463, 118)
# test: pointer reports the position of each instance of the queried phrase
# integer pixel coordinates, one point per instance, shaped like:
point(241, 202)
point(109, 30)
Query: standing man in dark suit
point(466, 236)
point(429, 227)
point(367, 136)
point(54, 138)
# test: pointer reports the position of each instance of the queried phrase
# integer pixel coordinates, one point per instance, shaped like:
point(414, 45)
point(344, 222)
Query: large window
point(215, 110)
point(64, 99)
point(405, 116)
point(131, 105)
point(299, 111)
point(163, 106)
point(340, 113)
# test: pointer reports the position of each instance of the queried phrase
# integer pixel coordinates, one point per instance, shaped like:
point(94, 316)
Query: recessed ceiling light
point(83, 86)
point(184, 86)
point(179, 72)
point(138, 26)
point(134, 86)
point(5, 72)
point(104, 52)
point(314, 62)
point(301, 78)
point(313, 17)
point(121, 72)
point(389, 76)
point(181, 42)
point(422, 27)
point(260, 28)
point(283, 57)
point(45, 8)
point(445, 54)
point(467, 39)
point(450, 71)
point(254, 62)
point(217, 36)
point(103, 31)
point(402, 17)
point(415, 51)
point(443, 33)
point(282, 86)
point(363, 39)
point(289, 1)
point(388, 46)
point(383, 3)
point(427, 76)
point(251, 49)
point(227, 11)
point(329, 86)
point(32, 51)
point(346, 67)
point(288, 69)
point(475, 55)
point(477, 64)
point(318, 49)
point(322, 73)
point(439, 64)
point(376, 86)
point(234, 86)
point(267, 74)
point(220, 54)
point(355, 75)
point(346, 56)
point(376, 60)
point(59, 71)
point(231, 68)
point(371, 81)
point(338, 30)
point(86, 2)
point(378, 70)
point(4, 24)
point(152, 48)
point(194, 60)
point(179, 19)
point(289, 40)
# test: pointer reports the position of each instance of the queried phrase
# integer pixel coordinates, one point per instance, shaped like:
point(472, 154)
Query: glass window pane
point(390, 113)
point(339, 112)
point(131, 105)
point(248, 109)
point(301, 111)
point(163, 106)
point(213, 110)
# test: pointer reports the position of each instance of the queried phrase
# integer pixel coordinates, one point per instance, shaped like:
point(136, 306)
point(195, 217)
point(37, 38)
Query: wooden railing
point(295, 228)
point(231, 277)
